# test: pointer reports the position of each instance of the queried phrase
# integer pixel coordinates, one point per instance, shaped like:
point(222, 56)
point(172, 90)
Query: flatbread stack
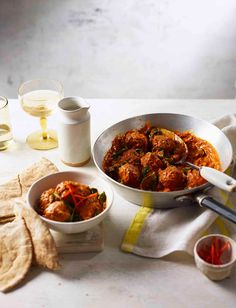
point(24, 237)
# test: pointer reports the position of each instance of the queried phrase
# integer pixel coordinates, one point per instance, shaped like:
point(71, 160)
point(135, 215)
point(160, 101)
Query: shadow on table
point(179, 257)
point(228, 283)
point(33, 272)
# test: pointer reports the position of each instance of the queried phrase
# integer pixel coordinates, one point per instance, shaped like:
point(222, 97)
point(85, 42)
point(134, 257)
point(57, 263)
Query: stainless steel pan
point(171, 121)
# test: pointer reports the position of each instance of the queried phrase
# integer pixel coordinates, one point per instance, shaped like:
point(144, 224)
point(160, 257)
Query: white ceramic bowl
point(215, 272)
point(52, 180)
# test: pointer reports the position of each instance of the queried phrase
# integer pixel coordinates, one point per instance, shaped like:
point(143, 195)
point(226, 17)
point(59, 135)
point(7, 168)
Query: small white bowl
point(51, 181)
point(212, 271)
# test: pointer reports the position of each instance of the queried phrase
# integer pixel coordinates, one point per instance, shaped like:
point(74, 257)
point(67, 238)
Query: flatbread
point(39, 169)
point(12, 203)
point(6, 208)
point(15, 253)
point(45, 252)
point(11, 189)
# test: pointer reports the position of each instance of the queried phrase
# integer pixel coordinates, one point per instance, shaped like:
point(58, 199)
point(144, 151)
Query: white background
point(125, 48)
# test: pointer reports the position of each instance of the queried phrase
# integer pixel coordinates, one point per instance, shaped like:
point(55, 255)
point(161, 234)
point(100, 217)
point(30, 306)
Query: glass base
point(5, 144)
point(37, 142)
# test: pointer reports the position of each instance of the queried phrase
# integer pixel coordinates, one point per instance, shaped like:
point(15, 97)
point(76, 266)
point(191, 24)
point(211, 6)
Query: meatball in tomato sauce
point(172, 178)
point(131, 156)
point(163, 143)
point(136, 140)
point(47, 197)
point(152, 161)
point(57, 211)
point(129, 175)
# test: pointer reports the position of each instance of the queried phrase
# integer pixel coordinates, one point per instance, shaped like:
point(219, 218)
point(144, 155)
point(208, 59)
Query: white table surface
point(112, 278)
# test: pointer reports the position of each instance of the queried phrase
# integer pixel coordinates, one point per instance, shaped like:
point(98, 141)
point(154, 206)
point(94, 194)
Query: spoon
point(213, 176)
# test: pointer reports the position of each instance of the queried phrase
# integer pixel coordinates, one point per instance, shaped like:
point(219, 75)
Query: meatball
point(136, 140)
point(130, 156)
point(111, 167)
point(46, 198)
point(113, 154)
point(152, 161)
point(149, 181)
point(163, 143)
point(129, 175)
point(172, 178)
point(118, 143)
point(91, 208)
point(108, 161)
point(57, 211)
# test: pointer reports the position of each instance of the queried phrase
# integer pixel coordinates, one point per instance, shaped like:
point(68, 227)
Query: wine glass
point(39, 98)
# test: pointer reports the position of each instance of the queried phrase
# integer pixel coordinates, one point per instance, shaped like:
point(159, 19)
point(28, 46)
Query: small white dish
point(228, 257)
point(51, 181)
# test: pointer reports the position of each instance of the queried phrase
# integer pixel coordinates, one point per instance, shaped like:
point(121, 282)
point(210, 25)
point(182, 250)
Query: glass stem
point(43, 124)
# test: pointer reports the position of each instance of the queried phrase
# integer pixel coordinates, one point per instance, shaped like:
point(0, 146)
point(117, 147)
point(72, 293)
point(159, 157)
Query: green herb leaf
point(186, 169)
point(139, 151)
point(161, 154)
point(145, 171)
point(72, 215)
point(56, 196)
point(155, 131)
point(70, 207)
point(102, 197)
point(93, 190)
point(118, 152)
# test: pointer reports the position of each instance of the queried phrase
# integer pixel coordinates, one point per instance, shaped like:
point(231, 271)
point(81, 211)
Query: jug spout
point(82, 104)
point(74, 108)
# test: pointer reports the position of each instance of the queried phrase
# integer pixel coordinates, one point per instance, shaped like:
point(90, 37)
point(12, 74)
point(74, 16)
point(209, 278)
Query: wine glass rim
point(5, 102)
point(41, 79)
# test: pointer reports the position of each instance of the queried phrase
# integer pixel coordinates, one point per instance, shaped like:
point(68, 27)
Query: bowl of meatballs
point(71, 201)
point(141, 160)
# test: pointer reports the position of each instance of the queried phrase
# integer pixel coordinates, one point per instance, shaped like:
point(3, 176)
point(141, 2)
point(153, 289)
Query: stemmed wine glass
point(39, 98)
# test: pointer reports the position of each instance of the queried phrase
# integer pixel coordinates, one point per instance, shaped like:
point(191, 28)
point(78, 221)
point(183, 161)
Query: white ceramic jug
point(74, 131)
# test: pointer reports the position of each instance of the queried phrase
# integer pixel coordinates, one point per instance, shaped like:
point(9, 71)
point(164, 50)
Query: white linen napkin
point(156, 233)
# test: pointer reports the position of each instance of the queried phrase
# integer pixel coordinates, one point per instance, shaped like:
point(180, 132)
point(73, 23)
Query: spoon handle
point(218, 178)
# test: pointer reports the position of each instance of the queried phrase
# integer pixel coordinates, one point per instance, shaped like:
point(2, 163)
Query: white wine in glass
point(39, 98)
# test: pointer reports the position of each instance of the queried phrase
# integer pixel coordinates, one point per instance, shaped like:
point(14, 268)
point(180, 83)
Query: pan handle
point(219, 208)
